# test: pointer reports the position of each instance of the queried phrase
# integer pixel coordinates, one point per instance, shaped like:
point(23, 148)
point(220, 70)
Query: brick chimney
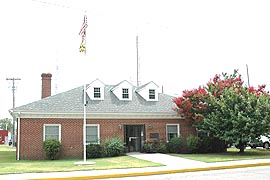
point(46, 85)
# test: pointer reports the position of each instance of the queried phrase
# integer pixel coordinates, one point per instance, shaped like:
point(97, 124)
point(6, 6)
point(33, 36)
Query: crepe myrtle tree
point(227, 109)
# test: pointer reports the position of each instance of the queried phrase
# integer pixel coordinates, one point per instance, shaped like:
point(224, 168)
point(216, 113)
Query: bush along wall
point(193, 144)
point(94, 151)
point(52, 148)
point(155, 147)
point(177, 145)
point(113, 147)
point(109, 148)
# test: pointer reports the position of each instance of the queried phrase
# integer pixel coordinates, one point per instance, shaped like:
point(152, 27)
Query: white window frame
point(125, 93)
point(98, 132)
point(59, 127)
point(152, 93)
point(97, 93)
point(178, 130)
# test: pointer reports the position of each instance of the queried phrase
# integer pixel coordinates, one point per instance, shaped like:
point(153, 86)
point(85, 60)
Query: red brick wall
point(31, 134)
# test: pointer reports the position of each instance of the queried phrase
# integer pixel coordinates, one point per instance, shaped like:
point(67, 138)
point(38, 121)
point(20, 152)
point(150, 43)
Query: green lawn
point(232, 154)
point(9, 165)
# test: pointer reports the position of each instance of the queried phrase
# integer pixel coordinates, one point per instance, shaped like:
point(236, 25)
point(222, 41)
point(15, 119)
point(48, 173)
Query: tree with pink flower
point(227, 109)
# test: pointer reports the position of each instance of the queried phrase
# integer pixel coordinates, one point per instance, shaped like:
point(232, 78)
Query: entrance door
point(134, 137)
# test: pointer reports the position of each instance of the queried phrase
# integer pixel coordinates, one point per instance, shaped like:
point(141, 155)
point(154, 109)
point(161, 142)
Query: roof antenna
point(247, 75)
point(56, 74)
point(138, 64)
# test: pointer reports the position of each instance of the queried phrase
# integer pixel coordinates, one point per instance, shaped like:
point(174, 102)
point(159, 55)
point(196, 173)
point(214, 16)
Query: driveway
point(170, 161)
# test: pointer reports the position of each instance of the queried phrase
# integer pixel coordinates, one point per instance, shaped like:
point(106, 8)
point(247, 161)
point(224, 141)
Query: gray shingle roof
point(72, 102)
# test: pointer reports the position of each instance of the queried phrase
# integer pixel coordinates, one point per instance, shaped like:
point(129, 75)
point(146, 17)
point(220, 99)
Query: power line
point(57, 5)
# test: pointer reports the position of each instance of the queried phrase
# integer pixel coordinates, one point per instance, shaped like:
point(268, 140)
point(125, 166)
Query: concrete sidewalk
point(172, 165)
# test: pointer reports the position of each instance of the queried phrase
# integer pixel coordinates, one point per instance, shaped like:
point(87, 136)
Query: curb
point(159, 172)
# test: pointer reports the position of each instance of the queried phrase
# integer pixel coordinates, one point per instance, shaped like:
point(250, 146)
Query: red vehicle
point(3, 136)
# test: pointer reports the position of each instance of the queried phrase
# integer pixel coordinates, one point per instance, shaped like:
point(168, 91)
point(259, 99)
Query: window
point(97, 93)
point(172, 131)
point(152, 94)
point(125, 94)
point(92, 134)
point(52, 131)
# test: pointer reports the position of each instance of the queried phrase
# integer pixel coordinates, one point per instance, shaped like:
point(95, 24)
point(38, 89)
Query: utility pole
point(13, 106)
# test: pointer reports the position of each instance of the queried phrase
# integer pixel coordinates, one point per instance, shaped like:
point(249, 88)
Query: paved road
point(254, 173)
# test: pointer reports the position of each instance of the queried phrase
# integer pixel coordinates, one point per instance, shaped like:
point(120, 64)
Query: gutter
point(104, 115)
point(18, 116)
point(18, 136)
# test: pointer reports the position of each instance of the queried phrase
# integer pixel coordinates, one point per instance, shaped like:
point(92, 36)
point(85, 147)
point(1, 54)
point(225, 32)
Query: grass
point(232, 154)
point(9, 165)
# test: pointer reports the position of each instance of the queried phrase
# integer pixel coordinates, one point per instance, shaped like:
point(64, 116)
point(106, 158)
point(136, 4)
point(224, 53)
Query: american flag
point(83, 34)
point(84, 26)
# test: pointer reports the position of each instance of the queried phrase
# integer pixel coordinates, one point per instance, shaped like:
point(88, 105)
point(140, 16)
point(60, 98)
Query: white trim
point(98, 131)
point(18, 138)
point(106, 115)
point(126, 92)
point(59, 127)
point(178, 130)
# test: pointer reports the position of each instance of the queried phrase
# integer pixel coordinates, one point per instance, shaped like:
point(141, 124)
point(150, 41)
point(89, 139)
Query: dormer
point(148, 91)
point(123, 91)
point(95, 90)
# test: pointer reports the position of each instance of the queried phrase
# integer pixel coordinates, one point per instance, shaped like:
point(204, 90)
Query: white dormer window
point(95, 90)
point(148, 91)
point(125, 94)
point(123, 91)
point(152, 94)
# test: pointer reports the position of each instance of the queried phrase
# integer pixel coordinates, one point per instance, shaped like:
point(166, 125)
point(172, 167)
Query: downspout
point(18, 136)
point(11, 112)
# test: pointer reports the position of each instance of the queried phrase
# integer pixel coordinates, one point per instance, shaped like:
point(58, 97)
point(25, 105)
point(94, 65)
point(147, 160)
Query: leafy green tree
point(227, 109)
point(6, 124)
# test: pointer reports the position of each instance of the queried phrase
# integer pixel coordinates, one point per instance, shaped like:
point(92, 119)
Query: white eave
point(93, 115)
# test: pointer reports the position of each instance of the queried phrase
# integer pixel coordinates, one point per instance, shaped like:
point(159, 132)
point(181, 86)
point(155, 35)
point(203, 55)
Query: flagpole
point(84, 122)
point(83, 50)
point(84, 96)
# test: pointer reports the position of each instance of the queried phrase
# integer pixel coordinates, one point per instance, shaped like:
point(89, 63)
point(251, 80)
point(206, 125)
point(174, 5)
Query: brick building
point(135, 114)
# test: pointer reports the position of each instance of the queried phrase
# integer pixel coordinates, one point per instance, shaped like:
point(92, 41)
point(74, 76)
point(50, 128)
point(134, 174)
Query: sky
point(181, 44)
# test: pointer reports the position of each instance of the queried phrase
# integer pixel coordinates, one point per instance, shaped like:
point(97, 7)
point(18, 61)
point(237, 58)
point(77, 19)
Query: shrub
point(52, 148)
point(162, 148)
point(113, 147)
point(153, 147)
point(218, 145)
point(205, 144)
point(148, 147)
point(210, 144)
point(94, 151)
point(193, 144)
point(176, 145)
